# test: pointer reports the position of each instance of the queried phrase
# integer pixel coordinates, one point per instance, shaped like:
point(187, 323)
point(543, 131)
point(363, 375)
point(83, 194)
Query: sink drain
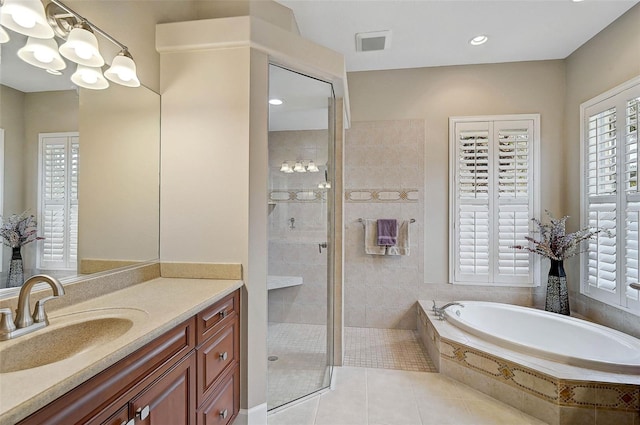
point(272, 358)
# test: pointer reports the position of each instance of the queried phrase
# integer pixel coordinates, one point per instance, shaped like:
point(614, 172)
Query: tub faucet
point(25, 322)
point(439, 311)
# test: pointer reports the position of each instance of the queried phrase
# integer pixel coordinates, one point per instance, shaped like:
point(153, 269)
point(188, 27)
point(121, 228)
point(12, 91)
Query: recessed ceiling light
point(577, 1)
point(478, 40)
point(275, 102)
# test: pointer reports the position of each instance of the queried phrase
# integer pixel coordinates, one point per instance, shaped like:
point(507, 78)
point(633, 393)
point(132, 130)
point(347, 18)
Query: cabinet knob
point(223, 356)
point(224, 413)
point(143, 412)
point(223, 314)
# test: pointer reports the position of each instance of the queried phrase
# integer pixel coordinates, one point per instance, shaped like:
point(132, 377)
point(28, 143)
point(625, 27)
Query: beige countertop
point(153, 307)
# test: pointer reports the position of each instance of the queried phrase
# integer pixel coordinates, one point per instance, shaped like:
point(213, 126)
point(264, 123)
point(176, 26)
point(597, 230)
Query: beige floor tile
point(445, 411)
point(342, 407)
point(494, 413)
point(303, 413)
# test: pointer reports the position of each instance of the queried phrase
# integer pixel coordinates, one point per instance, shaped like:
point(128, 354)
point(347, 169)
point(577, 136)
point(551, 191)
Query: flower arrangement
point(19, 230)
point(554, 243)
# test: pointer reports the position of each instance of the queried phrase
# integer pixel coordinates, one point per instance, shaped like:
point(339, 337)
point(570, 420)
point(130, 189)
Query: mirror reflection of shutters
point(58, 209)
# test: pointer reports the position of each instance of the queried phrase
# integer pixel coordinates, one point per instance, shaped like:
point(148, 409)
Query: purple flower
point(554, 243)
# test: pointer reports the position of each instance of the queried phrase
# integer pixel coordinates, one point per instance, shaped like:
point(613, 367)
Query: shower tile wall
point(293, 247)
point(381, 291)
point(383, 156)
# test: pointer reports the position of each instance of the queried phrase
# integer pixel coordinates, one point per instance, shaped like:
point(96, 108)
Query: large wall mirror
point(85, 163)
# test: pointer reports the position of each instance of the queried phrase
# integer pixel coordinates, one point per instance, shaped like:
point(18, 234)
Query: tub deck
point(553, 392)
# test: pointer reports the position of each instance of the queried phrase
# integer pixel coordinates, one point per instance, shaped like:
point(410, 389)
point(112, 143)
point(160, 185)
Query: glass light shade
point(285, 168)
point(81, 47)
point(42, 53)
point(4, 37)
point(299, 168)
point(312, 167)
point(327, 185)
point(123, 71)
point(25, 17)
point(89, 78)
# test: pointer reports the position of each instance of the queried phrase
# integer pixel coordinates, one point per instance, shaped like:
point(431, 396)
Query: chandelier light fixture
point(299, 166)
point(41, 26)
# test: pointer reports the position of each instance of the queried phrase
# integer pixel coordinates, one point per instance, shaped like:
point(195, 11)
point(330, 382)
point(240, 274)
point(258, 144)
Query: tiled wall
point(293, 248)
point(384, 174)
point(385, 168)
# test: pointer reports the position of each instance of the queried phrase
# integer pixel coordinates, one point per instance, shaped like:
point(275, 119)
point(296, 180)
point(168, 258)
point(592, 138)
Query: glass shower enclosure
point(300, 264)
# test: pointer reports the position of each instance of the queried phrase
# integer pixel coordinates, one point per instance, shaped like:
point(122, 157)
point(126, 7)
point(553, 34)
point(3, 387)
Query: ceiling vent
point(372, 41)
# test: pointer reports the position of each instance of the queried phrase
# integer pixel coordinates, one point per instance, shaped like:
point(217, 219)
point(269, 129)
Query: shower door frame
point(332, 214)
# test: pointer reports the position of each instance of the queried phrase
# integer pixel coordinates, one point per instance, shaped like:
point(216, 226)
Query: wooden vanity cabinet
point(188, 376)
point(218, 352)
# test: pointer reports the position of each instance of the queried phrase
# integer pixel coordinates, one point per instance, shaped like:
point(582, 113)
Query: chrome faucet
point(24, 322)
point(439, 311)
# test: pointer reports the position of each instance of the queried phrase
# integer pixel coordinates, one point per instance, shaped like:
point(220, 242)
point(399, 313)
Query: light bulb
point(84, 52)
point(24, 20)
point(44, 56)
point(89, 78)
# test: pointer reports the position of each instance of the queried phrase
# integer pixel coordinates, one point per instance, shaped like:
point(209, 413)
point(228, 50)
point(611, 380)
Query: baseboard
point(256, 415)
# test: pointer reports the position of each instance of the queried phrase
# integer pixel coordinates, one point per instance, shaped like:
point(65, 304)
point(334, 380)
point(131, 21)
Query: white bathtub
point(547, 335)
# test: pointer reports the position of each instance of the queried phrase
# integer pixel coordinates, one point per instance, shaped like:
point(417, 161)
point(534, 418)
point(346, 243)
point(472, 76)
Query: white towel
point(371, 238)
point(402, 245)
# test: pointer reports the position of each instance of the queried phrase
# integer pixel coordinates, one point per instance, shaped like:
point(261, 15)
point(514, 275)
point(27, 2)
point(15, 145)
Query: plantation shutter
point(612, 199)
point(58, 207)
point(514, 205)
point(492, 201)
point(473, 188)
point(632, 194)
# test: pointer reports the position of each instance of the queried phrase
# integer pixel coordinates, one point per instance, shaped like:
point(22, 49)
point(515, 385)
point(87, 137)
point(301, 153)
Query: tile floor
point(301, 365)
point(364, 396)
point(385, 349)
point(297, 362)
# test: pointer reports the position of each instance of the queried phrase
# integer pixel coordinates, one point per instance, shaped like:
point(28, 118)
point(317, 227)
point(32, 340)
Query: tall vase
point(557, 300)
point(16, 271)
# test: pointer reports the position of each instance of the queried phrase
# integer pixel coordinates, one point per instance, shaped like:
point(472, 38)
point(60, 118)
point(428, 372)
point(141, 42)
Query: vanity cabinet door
point(223, 406)
point(170, 400)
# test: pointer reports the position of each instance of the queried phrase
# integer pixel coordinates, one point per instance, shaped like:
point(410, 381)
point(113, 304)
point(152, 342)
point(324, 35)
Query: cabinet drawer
point(222, 311)
point(217, 355)
point(222, 407)
point(169, 400)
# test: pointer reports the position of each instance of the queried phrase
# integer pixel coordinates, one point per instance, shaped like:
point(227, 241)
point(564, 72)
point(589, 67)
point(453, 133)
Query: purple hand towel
point(387, 232)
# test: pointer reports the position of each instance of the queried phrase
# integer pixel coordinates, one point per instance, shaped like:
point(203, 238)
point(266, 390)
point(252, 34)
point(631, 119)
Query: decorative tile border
point(382, 195)
point(298, 195)
point(609, 396)
point(512, 374)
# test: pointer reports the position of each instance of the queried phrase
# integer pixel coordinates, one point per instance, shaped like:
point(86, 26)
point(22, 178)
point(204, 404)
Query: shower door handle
point(321, 245)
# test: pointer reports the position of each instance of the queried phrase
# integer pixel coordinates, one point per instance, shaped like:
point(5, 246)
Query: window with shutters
point(58, 201)
point(493, 196)
point(610, 195)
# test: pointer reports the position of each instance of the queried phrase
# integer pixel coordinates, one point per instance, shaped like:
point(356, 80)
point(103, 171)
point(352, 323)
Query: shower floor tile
point(385, 349)
point(298, 361)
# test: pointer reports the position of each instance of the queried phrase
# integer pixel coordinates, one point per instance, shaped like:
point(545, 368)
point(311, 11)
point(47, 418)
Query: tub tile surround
point(555, 393)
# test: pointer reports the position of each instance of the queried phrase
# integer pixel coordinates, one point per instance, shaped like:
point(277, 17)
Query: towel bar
point(412, 220)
